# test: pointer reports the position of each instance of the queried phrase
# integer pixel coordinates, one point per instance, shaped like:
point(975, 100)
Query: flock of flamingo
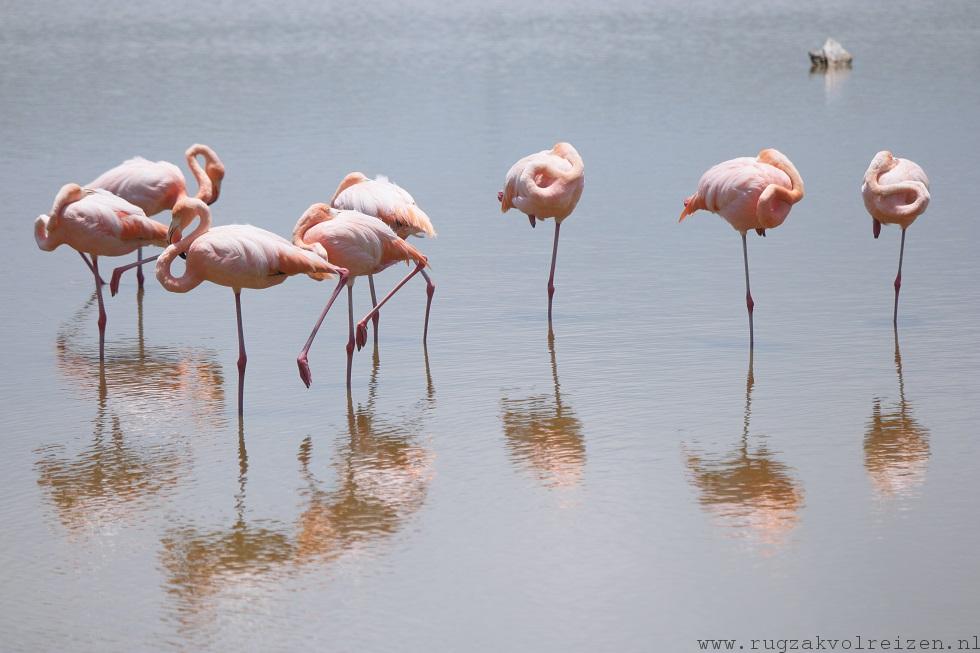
point(364, 228)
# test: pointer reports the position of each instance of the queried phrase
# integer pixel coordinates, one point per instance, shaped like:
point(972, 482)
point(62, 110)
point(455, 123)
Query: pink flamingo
point(99, 223)
point(157, 186)
point(236, 256)
point(545, 185)
point(361, 244)
point(750, 194)
point(895, 191)
point(394, 206)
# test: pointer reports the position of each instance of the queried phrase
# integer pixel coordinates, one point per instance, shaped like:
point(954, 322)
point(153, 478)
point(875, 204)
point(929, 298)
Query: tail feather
point(300, 261)
point(397, 249)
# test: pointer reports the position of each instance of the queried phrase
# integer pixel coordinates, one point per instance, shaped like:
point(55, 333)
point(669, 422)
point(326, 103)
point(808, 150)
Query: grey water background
point(632, 485)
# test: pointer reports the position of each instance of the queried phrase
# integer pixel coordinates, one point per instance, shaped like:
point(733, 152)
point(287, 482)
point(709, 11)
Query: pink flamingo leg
point(102, 316)
point(139, 269)
point(430, 289)
point(301, 360)
point(350, 333)
point(118, 272)
point(242, 358)
point(898, 280)
point(362, 325)
point(748, 293)
point(374, 302)
point(551, 278)
point(89, 264)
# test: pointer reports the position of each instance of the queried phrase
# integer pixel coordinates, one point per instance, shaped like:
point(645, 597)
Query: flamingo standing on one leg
point(99, 223)
point(545, 185)
point(155, 186)
point(895, 191)
point(750, 194)
point(236, 256)
point(393, 205)
point(363, 245)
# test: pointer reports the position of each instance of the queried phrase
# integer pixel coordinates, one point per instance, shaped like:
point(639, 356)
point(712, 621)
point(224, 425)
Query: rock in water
point(832, 54)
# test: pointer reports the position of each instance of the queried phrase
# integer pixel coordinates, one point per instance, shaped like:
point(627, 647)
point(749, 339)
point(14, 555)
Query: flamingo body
point(547, 184)
point(96, 222)
point(749, 193)
point(895, 191)
point(154, 186)
point(385, 200)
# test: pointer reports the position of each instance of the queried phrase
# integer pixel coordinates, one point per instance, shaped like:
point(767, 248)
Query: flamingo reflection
point(748, 489)
point(896, 446)
point(115, 476)
point(544, 435)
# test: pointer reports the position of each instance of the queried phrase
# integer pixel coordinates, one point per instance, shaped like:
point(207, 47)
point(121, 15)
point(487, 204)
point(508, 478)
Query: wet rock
point(831, 55)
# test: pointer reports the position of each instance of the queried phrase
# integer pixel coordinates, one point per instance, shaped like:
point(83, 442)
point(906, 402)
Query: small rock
point(831, 55)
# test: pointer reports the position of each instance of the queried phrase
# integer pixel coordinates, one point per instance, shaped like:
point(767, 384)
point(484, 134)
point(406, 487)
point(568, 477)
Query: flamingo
point(895, 191)
point(750, 194)
point(236, 256)
point(361, 244)
point(100, 224)
point(393, 205)
point(545, 185)
point(156, 187)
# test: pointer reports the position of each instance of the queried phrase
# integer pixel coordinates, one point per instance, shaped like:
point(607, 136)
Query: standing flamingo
point(895, 191)
point(750, 194)
point(100, 224)
point(363, 245)
point(545, 185)
point(157, 186)
point(393, 205)
point(236, 256)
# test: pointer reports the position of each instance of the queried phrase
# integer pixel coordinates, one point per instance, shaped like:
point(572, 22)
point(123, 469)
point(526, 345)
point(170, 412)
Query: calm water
point(635, 484)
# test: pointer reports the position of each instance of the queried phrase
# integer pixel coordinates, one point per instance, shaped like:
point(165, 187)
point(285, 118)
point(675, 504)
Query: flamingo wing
point(388, 201)
point(152, 186)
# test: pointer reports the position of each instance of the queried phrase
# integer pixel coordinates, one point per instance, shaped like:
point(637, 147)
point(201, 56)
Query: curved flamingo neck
point(46, 241)
point(778, 160)
point(570, 154)
point(348, 181)
point(208, 178)
point(46, 226)
point(882, 163)
point(313, 216)
point(185, 211)
point(183, 283)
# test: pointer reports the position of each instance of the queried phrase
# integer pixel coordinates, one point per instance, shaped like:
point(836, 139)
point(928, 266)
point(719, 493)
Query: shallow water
point(633, 484)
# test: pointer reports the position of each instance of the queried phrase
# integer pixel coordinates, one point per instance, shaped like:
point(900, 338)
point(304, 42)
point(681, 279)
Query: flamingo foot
point(500, 196)
point(361, 334)
point(114, 284)
point(304, 370)
point(531, 219)
point(761, 232)
point(875, 228)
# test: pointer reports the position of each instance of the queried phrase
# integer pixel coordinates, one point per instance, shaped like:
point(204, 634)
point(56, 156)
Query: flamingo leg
point(362, 325)
point(301, 360)
point(242, 358)
point(89, 264)
point(898, 280)
point(374, 302)
point(350, 333)
point(102, 316)
point(430, 289)
point(748, 293)
point(551, 278)
point(139, 268)
point(875, 227)
point(118, 272)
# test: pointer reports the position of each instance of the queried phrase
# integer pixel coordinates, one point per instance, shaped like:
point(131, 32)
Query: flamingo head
point(215, 171)
point(184, 212)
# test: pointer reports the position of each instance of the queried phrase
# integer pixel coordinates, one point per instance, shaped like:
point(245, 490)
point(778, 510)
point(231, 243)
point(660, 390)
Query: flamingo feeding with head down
point(895, 191)
point(236, 256)
point(750, 194)
point(100, 224)
point(155, 186)
point(361, 244)
point(545, 185)
point(394, 206)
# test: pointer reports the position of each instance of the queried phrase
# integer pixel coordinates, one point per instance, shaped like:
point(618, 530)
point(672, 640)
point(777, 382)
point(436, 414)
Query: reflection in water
point(748, 489)
point(834, 80)
point(544, 435)
point(896, 446)
point(383, 478)
point(199, 563)
point(107, 480)
point(383, 474)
